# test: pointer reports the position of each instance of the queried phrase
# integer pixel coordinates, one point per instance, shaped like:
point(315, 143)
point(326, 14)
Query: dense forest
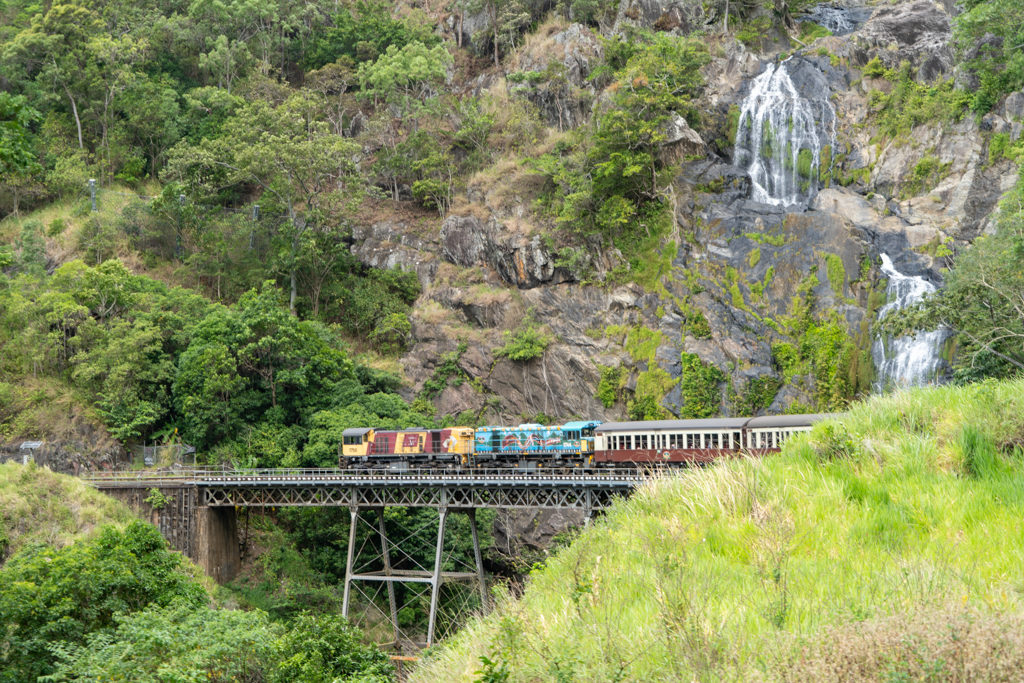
point(234, 146)
point(245, 225)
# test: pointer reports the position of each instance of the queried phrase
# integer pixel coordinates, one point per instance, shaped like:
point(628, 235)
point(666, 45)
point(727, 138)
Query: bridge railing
point(454, 474)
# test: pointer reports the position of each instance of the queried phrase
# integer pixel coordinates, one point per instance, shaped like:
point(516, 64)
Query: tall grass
point(40, 506)
point(909, 505)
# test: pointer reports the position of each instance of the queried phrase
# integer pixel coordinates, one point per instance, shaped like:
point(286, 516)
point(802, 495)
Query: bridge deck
point(447, 488)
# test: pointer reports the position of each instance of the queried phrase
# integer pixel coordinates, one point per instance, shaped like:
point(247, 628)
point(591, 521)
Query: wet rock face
point(918, 32)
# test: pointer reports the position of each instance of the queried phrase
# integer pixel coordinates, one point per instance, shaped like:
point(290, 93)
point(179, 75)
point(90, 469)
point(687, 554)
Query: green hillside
point(886, 545)
point(38, 506)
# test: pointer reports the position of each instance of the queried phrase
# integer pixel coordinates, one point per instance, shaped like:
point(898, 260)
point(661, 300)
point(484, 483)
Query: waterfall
point(780, 133)
point(909, 360)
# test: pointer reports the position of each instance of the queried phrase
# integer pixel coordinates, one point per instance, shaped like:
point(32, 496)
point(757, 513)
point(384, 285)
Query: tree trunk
point(78, 121)
point(295, 249)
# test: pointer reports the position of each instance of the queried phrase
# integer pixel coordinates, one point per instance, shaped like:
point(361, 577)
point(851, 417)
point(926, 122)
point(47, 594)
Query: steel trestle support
point(432, 577)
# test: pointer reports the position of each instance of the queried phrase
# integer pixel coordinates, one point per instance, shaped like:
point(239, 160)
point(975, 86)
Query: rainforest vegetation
point(181, 188)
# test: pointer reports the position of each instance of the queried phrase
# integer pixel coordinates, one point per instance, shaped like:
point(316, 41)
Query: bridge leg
point(435, 581)
point(386, 554)
point(476, 556)
point(349, 559)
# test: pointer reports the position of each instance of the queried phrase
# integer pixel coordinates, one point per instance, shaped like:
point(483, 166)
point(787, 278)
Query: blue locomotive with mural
point(572, 438)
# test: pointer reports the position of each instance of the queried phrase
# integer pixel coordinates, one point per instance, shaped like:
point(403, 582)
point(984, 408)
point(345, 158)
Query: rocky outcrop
point(519, 260)
point(681, 142)
point(77, 455)
point(393, 244)
point(918, 32)
point(520, 533)
point(736, 264)
point(553, 72)
point(675, 16)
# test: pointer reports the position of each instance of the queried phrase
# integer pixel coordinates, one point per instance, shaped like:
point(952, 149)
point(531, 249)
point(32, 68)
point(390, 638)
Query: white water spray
point(910, 360)
point(779, 138)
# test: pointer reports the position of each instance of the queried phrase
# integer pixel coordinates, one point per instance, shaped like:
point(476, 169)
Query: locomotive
point(583, 444)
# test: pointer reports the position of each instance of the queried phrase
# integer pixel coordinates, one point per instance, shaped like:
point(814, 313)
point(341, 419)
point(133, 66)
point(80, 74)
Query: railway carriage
point(695, 441)
point(766, 434)
point(668, 441)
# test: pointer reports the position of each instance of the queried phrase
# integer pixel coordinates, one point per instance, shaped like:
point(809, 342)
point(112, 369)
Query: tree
point(226, 60)
point(18, 158)
point(610, 179)
point(151, 112)
point(326, 648)
point(51, 597)
point(989, 35)
point(292, 158)
point(54, 51)
point(404, 76)
point(180, 642)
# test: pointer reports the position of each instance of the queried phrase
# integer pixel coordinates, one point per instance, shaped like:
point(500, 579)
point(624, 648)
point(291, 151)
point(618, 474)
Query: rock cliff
point(735, 268)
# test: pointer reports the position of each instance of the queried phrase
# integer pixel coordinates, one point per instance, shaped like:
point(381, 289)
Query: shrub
point(54, 598)
point(609, 384)
point(525, 344)
point(699, 382)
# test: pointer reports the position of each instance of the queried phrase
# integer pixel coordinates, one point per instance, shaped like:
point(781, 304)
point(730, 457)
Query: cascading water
point(782, 134)
point(910, 360)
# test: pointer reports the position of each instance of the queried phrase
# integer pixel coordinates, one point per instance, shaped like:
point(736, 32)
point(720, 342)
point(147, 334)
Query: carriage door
point(435, 442)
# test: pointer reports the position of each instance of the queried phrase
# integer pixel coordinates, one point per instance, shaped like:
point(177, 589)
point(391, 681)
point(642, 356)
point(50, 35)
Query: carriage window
point(643, 441)
point(716, 441)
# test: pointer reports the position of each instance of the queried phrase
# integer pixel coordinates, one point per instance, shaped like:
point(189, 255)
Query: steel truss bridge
point(372, 555)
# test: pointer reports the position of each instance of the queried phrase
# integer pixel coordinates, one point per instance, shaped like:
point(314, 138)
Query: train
point(581, 444)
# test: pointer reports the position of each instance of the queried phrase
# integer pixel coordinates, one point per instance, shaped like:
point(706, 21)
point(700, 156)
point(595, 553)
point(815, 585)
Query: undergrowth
point(884, 545)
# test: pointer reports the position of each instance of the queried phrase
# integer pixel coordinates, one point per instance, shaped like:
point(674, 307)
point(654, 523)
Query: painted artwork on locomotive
point(532, 438)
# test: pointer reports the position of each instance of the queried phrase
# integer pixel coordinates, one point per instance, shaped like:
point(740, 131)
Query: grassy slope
point(37, 505)
point(748, 568)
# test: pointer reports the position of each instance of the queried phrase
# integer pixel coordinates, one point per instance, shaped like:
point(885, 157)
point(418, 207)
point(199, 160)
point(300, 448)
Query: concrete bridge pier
point(217, 547)
point(207, 535)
